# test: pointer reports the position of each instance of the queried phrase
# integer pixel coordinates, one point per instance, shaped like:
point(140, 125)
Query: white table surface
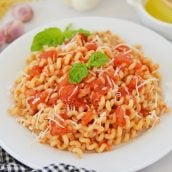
point(50, 10)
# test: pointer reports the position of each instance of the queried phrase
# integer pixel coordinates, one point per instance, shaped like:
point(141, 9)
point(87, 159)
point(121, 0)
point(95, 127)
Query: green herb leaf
point(50, 37)
point(83, 31)
point(97, 59)
point(70, 32)
point(77, 73)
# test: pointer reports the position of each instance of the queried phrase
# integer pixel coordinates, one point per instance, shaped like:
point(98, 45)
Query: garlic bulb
point(82, 5)
point(13, 30)
point(23, 12)
point(2, 38)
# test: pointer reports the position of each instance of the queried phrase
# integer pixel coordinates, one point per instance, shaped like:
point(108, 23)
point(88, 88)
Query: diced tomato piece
point(83, 37)
point(64, 82)
point(138, 66)
point(64, 115)
point(119, 114)
point(57, 130)
point(123, 48)
point(52, 101)
point(123, 90)
point(132, 84)
point(98, 89)
point(123, 59)
point(144, 112)
point(38, 98)
point(48, 54)
point(96, 84)
point(95, 98)
point(66, 93)
point(78, 103)
point(30, 92)
point(91, 46)
point(87, 118)
point(36, 70)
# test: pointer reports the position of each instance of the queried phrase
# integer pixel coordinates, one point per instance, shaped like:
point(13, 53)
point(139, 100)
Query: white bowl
point(162, 27)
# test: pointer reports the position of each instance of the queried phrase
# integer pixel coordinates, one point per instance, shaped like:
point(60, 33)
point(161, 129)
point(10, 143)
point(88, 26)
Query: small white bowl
point(159, 26)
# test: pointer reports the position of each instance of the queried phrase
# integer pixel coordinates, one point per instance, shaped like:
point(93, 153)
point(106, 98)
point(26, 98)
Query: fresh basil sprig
point(69, 32)
point(51, 37)
point(97, 59)
point(54, 36)
point(79, 71)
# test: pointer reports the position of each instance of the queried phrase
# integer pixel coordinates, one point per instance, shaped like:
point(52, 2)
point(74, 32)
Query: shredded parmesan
point(42, 134)
point(92, 72)
point(156, 100)
point(36, 99)
point(153, 116)
point(116, 71)
point(110, 62)
point(70, 44)
point(73, 92)
point(126, 89)
point(105, 70)
point(99, 120)
point(147, 81)
point(137, 90)
point(51, 119)
point(109, 81)
point(99, 40)
point(37, 116)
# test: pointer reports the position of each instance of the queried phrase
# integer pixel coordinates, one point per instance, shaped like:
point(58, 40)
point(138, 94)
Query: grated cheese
point(51, 119)
point(92, 72)
point(156, 100)
point(153, 116)
point(137, 90)
point(109, 81)
point(73, 92)
point(37, 116)
point(57, 115)
point(36, 99)
point(147, 81)
point(116, 71)
point(126, 89)
point(103, 71)
point(99, 120)
point(99, 40)
point(42, 134)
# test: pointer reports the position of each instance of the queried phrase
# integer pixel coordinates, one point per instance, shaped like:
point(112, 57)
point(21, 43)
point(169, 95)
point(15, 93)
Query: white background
point(50, 10)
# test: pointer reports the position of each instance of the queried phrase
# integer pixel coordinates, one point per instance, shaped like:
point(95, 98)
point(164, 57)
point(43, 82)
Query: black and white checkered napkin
point(9, 164)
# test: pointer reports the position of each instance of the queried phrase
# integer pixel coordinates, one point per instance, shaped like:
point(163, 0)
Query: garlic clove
point(13, 30)
point(84, 5)
point(68, 2)
point(2, 38)
point(23, 12)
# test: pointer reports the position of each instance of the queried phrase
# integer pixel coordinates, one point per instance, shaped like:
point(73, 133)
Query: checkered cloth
point(9, 164)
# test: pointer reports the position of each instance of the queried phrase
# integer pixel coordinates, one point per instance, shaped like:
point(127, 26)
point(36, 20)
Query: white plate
point(135, 155)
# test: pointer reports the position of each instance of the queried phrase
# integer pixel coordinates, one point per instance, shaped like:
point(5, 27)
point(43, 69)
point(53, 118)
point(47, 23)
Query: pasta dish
point(87, 92)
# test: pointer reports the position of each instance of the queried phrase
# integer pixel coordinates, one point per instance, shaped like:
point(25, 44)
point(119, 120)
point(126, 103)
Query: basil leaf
point(50, 37)
point(70, 32)
point(83, 31)
point(77, 73)
point(97, 59)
